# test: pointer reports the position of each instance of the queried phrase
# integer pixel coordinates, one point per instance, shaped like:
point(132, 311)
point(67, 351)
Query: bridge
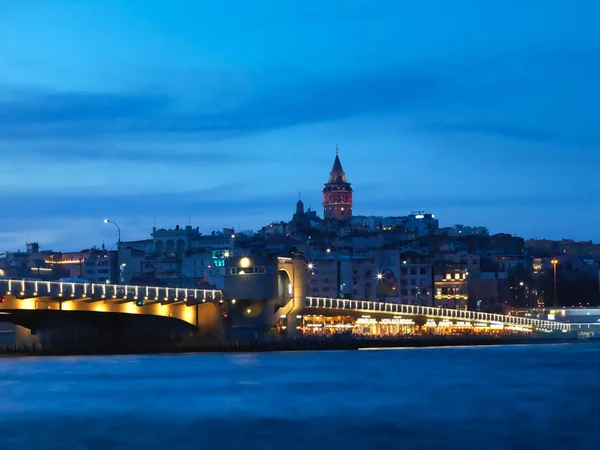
point(445, 316)
point(22, 298)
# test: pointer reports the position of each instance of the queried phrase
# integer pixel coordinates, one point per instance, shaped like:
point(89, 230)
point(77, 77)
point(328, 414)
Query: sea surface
point(505, 397)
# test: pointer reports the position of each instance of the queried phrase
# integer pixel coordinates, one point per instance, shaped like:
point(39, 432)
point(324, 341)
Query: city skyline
point(482, 117)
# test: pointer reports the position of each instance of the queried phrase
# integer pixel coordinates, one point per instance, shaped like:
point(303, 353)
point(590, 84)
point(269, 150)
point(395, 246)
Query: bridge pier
point(16, 336)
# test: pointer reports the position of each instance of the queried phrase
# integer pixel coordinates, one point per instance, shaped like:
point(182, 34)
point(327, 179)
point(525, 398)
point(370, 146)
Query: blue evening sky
point(481, 112)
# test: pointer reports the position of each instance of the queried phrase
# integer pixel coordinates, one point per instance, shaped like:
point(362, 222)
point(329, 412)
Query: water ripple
point(493, 398)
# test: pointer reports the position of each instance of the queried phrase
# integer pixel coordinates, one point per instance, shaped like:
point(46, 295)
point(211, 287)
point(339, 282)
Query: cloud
point(428, 92)
point(228, 199)
point(72, 115)
point(492, 200)
point(146, 150)
point(235, 201)
point(513, 132)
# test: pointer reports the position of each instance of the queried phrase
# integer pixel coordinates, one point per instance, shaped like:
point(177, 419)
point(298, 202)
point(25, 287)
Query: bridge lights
point(140, 303)
point(2, 299)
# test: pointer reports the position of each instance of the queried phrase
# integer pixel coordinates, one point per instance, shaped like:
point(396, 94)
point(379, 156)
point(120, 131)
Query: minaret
point(337, 194)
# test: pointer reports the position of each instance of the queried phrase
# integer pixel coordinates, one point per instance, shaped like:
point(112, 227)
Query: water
point(522, 397)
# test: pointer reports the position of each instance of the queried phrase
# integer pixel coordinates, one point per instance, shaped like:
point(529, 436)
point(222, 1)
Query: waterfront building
point(273, 229)
point(403, 276)
point(464, 230)
point(101, 266)
point(97, 265)
point(450, 287)
point(342, 276)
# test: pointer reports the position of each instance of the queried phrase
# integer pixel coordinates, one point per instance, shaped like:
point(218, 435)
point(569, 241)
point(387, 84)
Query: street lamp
point(555, 263)
point(118, 229)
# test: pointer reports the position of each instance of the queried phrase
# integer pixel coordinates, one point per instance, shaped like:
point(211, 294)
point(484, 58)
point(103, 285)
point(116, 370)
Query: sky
point(219, 113)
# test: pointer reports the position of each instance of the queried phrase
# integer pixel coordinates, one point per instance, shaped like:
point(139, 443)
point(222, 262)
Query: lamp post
point(118, 229)
point(555, 263)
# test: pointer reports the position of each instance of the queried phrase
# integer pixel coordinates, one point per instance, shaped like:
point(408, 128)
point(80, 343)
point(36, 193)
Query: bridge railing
point(432, 312)
point(68, 290)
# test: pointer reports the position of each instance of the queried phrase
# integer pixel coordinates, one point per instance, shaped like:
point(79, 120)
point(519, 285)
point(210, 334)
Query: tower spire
point(337, 194)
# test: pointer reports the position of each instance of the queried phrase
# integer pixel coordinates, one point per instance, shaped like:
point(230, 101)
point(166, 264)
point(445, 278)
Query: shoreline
point(330, 344)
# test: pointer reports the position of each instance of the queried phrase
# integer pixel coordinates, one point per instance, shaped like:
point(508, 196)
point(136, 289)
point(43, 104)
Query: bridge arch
point(285, 288)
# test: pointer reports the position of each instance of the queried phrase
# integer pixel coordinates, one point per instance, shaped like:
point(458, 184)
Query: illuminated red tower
point(337, 194)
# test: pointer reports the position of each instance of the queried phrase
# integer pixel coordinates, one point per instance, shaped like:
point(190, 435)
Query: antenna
point(155, 219)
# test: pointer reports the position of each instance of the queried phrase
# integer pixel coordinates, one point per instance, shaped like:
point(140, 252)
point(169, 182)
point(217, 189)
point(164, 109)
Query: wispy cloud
point(148, 150)
point(227, 199)
point(515, 132)
point(136, 121)
point(76, 115)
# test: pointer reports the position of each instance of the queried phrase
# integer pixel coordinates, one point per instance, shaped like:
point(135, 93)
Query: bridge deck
point(105, 292)
point(366, 307)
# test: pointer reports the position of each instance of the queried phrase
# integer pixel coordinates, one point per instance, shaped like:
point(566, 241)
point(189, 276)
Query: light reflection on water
point(488, 397)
